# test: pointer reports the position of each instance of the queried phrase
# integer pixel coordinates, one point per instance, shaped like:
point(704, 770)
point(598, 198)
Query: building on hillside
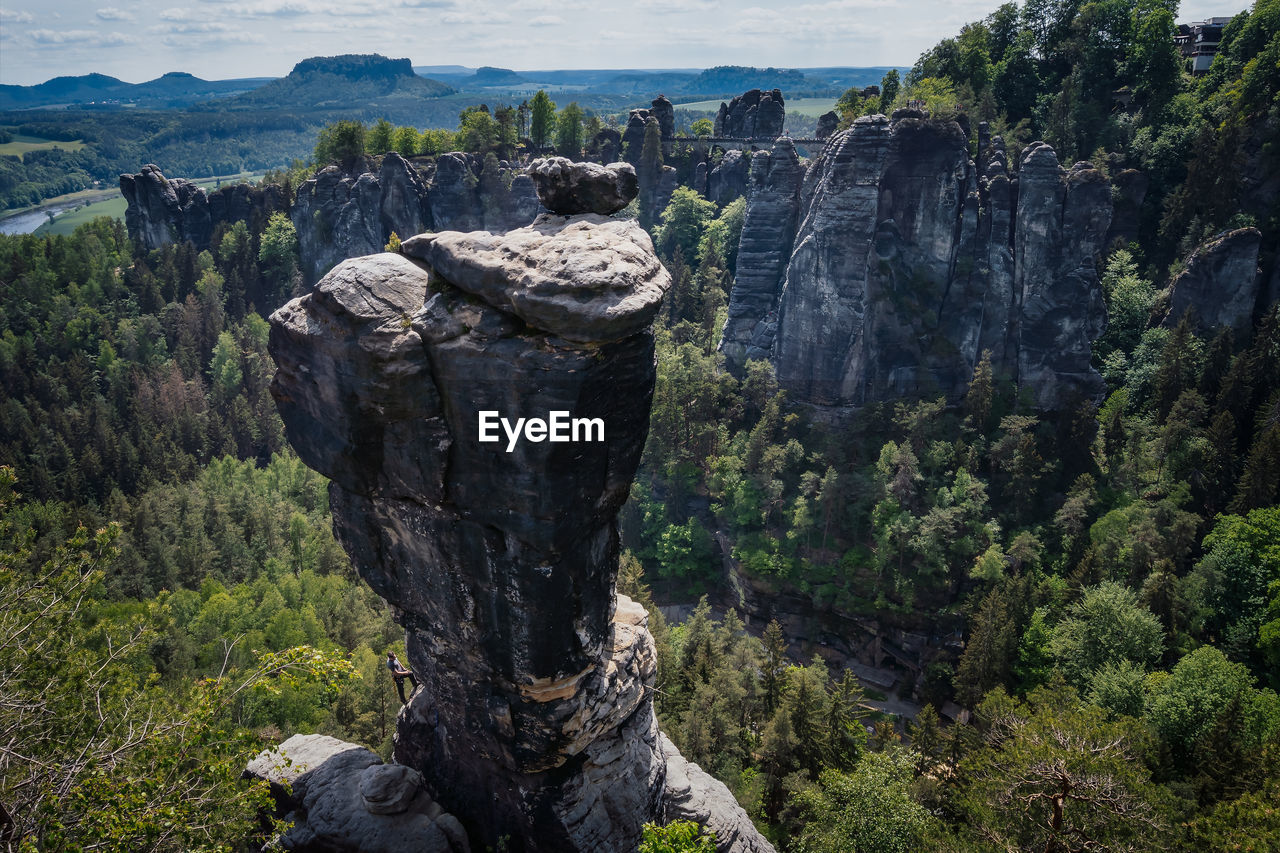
point(1198, 42)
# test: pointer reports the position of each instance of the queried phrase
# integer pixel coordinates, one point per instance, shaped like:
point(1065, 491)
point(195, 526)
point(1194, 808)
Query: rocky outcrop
point(752, 115)
point(567, 187)
point(1060, 230)
point(166, 210)
point(768, 232)
point(340, 796)
point(728, 180)
point(693, 794)
point(340, 215)
point(660, 110)
point(827, 124)
point(535, 724)
point(908, 262)
point(1219, 284)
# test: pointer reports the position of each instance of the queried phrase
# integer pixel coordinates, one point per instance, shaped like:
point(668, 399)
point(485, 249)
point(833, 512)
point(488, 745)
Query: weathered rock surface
point(752, 115)
point(338, 216)
point(585, 278)
point(535, 723)
point(165, 210)
point(341, 215)
point(729, 179)
point(661, 111)
point(827, 124)
point(1220, 284)
point(908, 262)
point(693, 794)
point(768, 231)
point(566, 187)
point(340, 796)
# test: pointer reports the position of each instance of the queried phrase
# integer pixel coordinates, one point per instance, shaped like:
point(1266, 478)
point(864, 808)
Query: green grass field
point(65, 223)
point(22, 144)
point(811, 107)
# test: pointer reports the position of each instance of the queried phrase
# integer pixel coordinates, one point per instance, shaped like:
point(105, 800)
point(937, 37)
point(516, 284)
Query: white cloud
point(547, 21)
point(12, 17)
point(113, 14)
point(427, 4)
point(192, 27)
point(79, 37)
point(475, 17)
point(176, 14)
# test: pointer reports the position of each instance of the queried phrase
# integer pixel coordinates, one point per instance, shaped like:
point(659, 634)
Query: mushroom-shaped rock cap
point(566, 187)
point(588, 278)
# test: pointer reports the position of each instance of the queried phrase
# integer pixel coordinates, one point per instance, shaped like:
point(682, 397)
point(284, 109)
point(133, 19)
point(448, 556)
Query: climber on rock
point(400, 672)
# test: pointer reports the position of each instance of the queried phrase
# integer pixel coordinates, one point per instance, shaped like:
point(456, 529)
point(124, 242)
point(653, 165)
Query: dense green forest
point(172, 597)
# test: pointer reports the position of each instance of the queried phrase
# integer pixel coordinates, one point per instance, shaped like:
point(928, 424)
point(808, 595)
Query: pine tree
point(775, 664)
point(977, 401)
point(542, 119)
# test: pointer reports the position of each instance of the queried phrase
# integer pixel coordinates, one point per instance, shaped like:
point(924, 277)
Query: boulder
point(584, 278)
point(566, 187)
point(339, 796)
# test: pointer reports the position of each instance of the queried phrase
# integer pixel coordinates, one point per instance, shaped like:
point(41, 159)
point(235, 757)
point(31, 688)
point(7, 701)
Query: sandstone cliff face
point(908, 262)
point(339, 215)
point(729, 179)
point(535, 723)
point(1220, 284)
point(752, 115)
point(165, 210)
point(768, 231)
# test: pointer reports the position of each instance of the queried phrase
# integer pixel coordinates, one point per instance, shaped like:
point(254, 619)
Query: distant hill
point(739, 78)
point(488, 76)
point(335, 82)
point(174, 89)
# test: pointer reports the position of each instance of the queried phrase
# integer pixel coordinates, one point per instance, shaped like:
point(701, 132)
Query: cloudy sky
point(218, 39)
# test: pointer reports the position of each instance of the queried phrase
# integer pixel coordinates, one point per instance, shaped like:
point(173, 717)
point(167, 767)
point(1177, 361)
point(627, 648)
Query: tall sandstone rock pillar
point(535, 724)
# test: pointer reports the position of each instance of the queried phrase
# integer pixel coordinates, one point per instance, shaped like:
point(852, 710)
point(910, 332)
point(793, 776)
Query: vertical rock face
point(768, 231)
point(661, 110)
point(1220, 284)
point(165, 210)
point(728, 180)
point(909, 261)
point(752, 115)
point(339, 215)
point(1060, 229)
point(535, 724)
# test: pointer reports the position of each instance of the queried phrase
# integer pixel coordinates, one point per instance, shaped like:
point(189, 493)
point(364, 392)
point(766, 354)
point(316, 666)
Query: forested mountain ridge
point(173, 89)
